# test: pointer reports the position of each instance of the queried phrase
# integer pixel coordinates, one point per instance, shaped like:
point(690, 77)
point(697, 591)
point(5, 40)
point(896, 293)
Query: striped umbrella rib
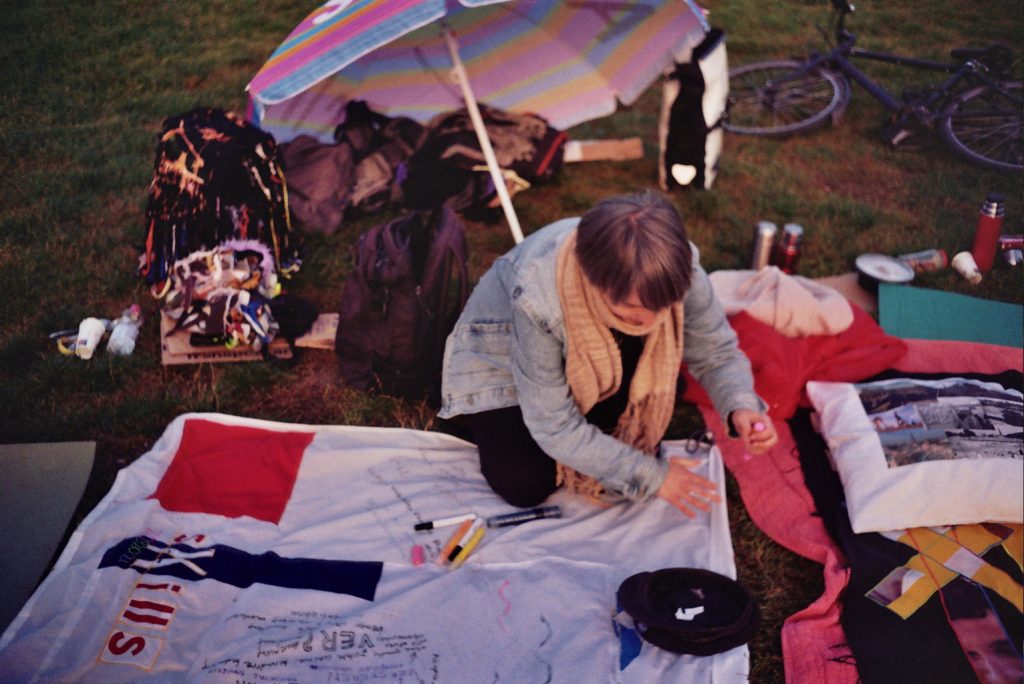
point(566, 61)
point(366, 18)
point(310, 61)
point(629, 71)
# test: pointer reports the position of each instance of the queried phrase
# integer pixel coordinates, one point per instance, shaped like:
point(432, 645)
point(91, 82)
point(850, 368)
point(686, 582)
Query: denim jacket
point(509, 347)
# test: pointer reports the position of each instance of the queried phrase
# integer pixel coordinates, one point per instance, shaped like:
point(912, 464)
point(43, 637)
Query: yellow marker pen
point(469, 546)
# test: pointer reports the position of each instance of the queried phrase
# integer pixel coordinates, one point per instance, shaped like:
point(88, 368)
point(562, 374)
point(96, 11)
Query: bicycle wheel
point(760, 105)
point(983, 126)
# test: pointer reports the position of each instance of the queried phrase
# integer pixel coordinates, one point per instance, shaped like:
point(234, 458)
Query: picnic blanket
point(772, 486)
point(247, 550)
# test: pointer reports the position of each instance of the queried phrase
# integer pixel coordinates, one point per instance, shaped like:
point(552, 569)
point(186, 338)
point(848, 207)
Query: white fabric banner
point(323, 588)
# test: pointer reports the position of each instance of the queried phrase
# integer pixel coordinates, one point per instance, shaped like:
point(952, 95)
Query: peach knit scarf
point(593, 365)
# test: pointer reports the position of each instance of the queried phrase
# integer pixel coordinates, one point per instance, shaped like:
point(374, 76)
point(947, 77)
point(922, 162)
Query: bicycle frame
point(974, 109)
point(879, 92)
point(838, 59)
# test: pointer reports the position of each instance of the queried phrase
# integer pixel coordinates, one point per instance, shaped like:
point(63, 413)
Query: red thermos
point(986, 235)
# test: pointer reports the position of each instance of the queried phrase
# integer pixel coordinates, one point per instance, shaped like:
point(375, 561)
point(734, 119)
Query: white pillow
point(924, 453)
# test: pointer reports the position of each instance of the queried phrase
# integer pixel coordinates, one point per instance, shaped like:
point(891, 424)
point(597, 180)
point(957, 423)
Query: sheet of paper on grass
point(924, 314)
point(283, 589)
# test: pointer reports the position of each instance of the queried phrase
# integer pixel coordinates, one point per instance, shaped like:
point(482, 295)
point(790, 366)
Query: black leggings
point(512, 462)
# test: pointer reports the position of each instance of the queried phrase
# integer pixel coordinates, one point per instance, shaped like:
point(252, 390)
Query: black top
point(605, 414)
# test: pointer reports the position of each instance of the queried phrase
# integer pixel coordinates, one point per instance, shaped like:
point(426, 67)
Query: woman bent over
point(564, 364)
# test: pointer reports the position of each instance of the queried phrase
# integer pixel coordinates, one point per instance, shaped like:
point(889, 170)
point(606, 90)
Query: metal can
point(1006, 242)
point(927, 260)
point(787, 251)
point(764, 241)
point(1012, 249)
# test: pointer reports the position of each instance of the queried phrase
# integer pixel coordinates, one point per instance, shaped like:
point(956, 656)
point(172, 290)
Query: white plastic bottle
point(126, 331)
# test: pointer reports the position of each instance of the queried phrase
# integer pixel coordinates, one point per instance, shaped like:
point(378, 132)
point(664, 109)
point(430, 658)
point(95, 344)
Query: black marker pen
point(520, 517)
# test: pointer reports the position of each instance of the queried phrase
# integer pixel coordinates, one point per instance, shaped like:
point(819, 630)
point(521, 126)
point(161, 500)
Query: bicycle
point(976, 111)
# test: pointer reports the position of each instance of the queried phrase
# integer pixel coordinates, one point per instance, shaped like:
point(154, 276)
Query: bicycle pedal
point(900, 136)
point(893, 134)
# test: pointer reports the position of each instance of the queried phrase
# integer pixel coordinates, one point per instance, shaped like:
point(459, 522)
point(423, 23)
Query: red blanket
point(772, 486)
point(783, 365)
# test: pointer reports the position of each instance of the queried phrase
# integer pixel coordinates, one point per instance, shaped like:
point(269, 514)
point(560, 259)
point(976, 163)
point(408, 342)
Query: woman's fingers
point(686, 490)
point(755, 429)
point(696, 502)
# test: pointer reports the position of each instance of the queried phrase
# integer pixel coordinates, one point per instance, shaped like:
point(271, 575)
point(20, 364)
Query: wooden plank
point(176, 350)
point(847, 285)
point(603, 150)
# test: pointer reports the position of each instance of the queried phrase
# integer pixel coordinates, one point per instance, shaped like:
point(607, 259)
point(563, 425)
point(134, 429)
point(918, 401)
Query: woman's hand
point(687, 490)
point(755, 429)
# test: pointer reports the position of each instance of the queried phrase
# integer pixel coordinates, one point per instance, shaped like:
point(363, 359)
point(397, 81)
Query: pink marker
point(758, 427)
point(417, 554)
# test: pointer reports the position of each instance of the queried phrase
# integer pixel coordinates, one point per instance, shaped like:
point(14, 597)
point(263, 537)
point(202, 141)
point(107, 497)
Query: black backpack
point(407, 287)
point(380, 146)
point(449, 168)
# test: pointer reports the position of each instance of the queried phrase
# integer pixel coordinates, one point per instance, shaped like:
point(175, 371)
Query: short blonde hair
point(636, 242)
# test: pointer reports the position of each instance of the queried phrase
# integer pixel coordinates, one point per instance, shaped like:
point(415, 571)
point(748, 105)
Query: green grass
point(86, 86)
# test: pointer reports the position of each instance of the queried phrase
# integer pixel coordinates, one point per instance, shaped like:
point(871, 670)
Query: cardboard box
point(322, 334)
point(848, 286)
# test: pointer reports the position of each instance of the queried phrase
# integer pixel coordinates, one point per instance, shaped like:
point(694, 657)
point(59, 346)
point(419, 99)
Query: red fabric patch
point(232, 471)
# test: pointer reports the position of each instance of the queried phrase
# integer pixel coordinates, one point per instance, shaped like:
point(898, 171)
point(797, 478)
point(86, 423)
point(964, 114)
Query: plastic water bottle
point(126, 331)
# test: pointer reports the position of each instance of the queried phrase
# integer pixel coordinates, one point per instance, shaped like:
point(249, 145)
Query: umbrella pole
point(481, 134)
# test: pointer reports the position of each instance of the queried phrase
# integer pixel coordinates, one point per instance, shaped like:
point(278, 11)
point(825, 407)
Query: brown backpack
point(407, 287)
point(320, 178)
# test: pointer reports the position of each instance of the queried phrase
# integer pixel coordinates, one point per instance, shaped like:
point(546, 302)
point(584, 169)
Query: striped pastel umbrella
point(568, 61)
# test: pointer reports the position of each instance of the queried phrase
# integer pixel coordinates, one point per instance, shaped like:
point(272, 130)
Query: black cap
point(690, 610)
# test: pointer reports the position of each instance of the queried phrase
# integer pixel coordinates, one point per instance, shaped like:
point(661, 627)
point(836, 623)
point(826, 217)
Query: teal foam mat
point(920, 313)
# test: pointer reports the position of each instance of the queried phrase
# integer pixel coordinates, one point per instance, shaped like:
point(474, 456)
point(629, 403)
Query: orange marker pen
point(442, 557)
point(477, 524)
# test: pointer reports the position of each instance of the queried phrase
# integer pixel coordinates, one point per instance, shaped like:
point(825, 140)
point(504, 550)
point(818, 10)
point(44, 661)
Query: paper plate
point(873, 269)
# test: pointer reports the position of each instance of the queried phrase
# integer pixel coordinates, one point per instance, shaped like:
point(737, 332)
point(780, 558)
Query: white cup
point(90, 332)
point(965, 265)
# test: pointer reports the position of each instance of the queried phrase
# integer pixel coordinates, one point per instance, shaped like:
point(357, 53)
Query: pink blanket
point(772, 485)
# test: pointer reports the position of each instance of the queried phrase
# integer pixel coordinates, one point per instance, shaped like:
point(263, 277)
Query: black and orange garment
point(215, 178)
point(925, 604)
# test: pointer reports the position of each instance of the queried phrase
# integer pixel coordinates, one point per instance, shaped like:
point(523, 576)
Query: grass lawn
point(86, 86)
